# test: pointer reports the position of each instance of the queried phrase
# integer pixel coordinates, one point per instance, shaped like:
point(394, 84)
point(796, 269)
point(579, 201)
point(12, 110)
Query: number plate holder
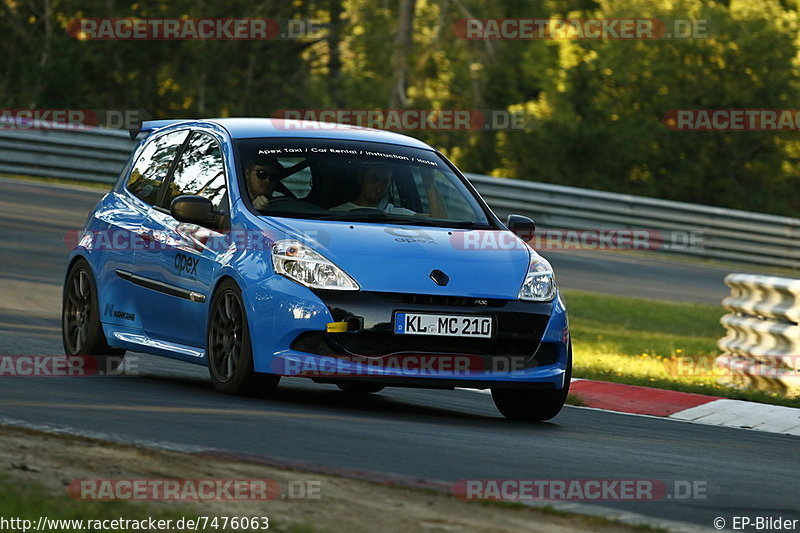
point(443, 325)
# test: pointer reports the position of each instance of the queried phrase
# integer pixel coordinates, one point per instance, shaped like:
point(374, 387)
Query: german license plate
point(443, 325)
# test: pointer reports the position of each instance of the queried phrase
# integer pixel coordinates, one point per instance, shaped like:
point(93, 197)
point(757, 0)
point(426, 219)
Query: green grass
point(652, 343)
point(575, 400)
point(29, 501)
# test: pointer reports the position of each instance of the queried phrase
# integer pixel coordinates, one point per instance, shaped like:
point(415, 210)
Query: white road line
point(744, 415)
point(734, 414)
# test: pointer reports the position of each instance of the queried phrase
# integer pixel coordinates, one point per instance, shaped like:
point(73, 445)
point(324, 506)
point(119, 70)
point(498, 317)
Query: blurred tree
point(599, 116)
point(595, 108)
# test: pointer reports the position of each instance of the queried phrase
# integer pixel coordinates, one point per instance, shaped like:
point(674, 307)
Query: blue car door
point(177, 270)
point(120, 217)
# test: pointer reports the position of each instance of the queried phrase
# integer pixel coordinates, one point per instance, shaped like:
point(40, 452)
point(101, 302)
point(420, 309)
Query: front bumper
point(529, 347)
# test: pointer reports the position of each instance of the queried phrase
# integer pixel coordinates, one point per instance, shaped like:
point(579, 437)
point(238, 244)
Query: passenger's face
point(261, 179)
point(374, 184)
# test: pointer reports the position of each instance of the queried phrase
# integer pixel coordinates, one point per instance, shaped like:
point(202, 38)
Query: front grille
point(372, 343)
point(433, 299)
point(518, 328)
point(497, 355)
point(376, 343)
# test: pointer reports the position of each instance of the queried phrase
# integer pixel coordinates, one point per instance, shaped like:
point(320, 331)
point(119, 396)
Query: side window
point(152, 166)
point(200, 172)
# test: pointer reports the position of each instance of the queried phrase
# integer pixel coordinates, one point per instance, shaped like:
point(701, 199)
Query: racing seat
point(333, 183)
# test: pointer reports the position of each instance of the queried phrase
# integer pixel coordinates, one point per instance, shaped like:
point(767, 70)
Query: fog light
point(337, 327)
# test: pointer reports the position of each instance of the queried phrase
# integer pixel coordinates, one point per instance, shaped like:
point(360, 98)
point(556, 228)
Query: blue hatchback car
point(265, 248)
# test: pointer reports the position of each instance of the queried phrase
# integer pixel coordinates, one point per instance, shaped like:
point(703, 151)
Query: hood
point(398, 258)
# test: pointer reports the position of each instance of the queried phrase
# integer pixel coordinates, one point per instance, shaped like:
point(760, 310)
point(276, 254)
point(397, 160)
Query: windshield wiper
point(465, 224)
point(377, 216)
point(342, 215)
point(390, 218)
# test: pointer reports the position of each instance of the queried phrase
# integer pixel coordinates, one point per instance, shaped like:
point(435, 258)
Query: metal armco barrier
point(89, 155)
point(762, 344)
point(688, 229)
point(724, 234)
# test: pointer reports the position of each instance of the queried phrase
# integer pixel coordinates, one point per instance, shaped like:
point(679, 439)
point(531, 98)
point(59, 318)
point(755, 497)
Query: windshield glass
point(354, 181)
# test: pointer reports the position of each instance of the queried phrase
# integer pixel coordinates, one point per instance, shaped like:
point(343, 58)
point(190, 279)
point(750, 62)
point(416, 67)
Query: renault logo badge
point(439, 277)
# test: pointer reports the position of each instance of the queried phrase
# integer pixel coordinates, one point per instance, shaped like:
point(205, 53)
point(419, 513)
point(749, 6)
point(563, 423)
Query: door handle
point(146, 236)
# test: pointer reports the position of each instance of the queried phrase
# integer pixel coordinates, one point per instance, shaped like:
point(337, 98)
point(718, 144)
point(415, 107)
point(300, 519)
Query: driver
point(373, 184)
point(262, 176)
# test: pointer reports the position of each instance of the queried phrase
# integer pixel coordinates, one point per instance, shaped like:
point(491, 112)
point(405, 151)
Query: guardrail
point(725, 234)
point(89, 155)
point(762, 342)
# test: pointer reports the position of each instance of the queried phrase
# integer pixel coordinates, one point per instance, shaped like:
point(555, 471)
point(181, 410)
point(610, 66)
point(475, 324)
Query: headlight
point(540, 283)
point(302, 264)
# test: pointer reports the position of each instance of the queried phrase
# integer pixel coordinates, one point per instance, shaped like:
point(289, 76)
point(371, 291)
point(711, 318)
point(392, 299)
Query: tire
point(533, 405)
point(228, 347)
point(81, 330)
point(359, 388)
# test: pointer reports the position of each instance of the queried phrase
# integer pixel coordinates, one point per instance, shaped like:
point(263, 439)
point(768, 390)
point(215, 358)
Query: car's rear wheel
point(359, 388)
point(81, 331)
point(533, 404)
point(228, 346)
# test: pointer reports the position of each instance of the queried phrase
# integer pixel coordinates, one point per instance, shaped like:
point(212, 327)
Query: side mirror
point(524, 227)
point(194, 210)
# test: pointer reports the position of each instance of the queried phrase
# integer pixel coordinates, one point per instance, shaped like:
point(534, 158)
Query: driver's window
point(200, 171)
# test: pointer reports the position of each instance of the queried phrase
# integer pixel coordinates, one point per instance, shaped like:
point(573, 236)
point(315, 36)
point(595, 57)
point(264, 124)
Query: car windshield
point(354, 181)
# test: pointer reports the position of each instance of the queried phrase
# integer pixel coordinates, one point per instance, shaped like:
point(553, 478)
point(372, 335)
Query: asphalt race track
point(438, 435)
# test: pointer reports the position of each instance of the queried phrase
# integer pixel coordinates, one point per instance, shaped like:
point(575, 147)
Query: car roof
point(249, 128)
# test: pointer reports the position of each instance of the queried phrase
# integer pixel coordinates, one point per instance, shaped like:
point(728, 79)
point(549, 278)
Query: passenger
point(374, 184)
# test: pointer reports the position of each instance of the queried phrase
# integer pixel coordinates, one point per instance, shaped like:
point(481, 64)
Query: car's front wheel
point(534, 404)
point(81, 331)
point(228, 347)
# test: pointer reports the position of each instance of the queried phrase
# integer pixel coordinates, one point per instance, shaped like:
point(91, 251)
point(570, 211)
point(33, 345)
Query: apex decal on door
point(185, 263)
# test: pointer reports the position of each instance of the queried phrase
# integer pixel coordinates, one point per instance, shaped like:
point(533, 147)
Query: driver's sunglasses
point(264, 174)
